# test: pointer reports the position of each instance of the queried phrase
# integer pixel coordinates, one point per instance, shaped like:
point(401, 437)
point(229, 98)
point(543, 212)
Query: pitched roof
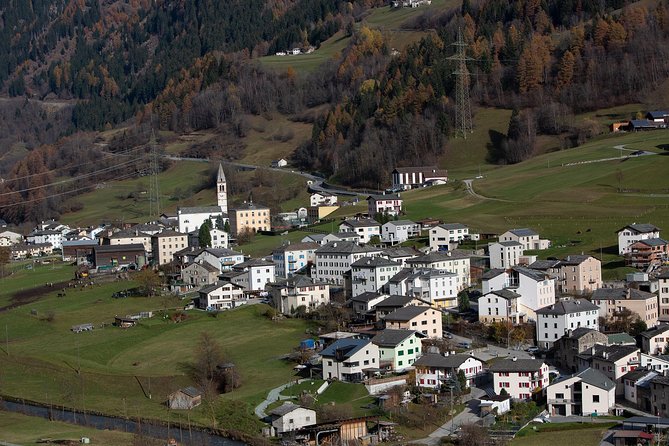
point(366, 297)
point(509, 243)
point(401, 251)
point(655, 331)
point(581, 331)
point(574, 259)
point(297, 281)
point(360, 223)
point(596, 378)
point(254, 263)
point(220, 177)
point(428, 169)
point(492, 273)
point(200, 210)
point(437, 256)
point(611, 353)
point(505, 293)
point(377, 197)
point(657, 114)
point(531, 273)
point(442, 362)
point(344, 247)
point(543, 265)
point(169, 233)
point(517, 365)
point(120, 248)
point(523, 232)
point(348, 347)
point(653, 242)
point(452, 226)
point(392, 337)
point(401, 223)
point(394, 301)
point(642, 228)
point(568, 307)
point(621, 294)
point(637, 374)
point(284, 409)
point(300, 246)
point(407, 313)
point(128, 233)
point(620, 338)
point(402, 275)
point(373, 262)
point(191, 391)
point(209, 288)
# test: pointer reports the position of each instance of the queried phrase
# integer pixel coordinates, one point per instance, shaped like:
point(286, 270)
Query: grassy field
point(306, 63)
point(567, 433)
point(23, 278)
point(27, 430)
point(115, 370)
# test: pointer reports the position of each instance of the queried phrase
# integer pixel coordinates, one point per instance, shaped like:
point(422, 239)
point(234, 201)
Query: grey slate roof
point(361, 223)
point(296, 281)
point(120, 248)
point(284, 409)
point(402, 275)
point(580, 332)
point(373, 262)
point(254, 263)
point(442, 362)
point(523, 232)
point(510, 243)
point(574, 259)
point(391, 337)
point(641, 228)
point(366, 297)
point(653, 242)
point(543, 265)
point(452, 226)
point(505, 294)
point(612, 352)
point(596, 378)
point(655, 331)
point(129, 233)
point(344, 247)
point(394, 301)
point(532, 274)
point(519, 365)
point(301, 246)
point(492, 273)
point(407, 313)
point(637, 374)
point(401, 251)
point(568, 307)
point(401, 223)
point(437, 256)
point(621, 294)
point(191, 391)
point(377, 197)
point(348, 346)
point(200, 210)
point(250, 206)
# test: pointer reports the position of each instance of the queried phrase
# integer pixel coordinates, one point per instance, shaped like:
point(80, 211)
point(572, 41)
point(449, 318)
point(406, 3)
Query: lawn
point(27, 430)
point(23, 278)
point(306, 63)
point(564, 433)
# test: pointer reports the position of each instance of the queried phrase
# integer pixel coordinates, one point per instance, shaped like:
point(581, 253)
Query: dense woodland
point(190, 65)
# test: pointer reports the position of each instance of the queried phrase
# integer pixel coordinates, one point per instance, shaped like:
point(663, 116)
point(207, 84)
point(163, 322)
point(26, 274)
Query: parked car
point(541, 419)
point(447, 335)
point(464, 345)
point(532, 349)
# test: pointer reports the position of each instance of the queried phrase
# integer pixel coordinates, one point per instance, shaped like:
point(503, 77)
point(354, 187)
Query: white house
point(505, 254)
point(290, 417)
point(399, 231)
point(633, 233)
point(435, 286)
point(554, 321)
point(585, 393)
point(636, 380)
point(519, 377)
point(423, 319)
point(536, 289)
point(659, 363)
point(219, 238)
point(405, 178)
point(398, 349)
point(279, 163)
point(293, 257)
point(656, 340)
point(526, 237)
point(501, 306)
point(365, 228)
point(365, 302)
point(222, 258)
point(298, 291)
point(346, 359)
point(322, 199)
point(221, 296)
point(13, 237)
point(335, 258)
point(370, 274)
point(256, 274)
point(388, 204)
point(132, 236)
point(401, 254)
point(433, 369)
point(457, 262)
point(191, 218)
point(443, 235)
point(613, 361)
point(53, 237)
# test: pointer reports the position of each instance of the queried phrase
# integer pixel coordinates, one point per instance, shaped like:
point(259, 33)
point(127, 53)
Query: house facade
point(250, 216)
point(199, 274)
point(399, 231)
point(290, 417)
point(586, 393)
point(568, 348)
point(633, 233)
point(167, 243)
point(505, 254)
point(663, 296)
point(221, 296)
point(398, 349)
point(256, 274)
point(192, 218)
point(404, 178)
point(526, 237)
point(293, 257)
point(656, 340)
point(322, 199)
point(457, 262)
point(364, 228)
point(501, 306)
point(371, 274)
point(335, 258)
point(346, 359)
point(425, 320)
point(519, 377)
point(435, 286)
point(555, 321)
point(443, 235)
point(298, 291)
point(432, 369)
point(385, 204)
point(536, 289)
point(613, 300)
point(643, 253)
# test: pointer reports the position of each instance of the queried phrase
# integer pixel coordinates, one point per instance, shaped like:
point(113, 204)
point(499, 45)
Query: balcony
point(560, 401)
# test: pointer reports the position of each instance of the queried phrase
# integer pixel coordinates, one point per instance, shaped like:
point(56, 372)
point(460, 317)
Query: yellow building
point(251, 216)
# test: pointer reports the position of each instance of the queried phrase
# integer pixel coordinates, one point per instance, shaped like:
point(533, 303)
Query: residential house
point(435, 286)
point(186, 398)
point(54, 237)
point(536, 289)
point(567, 348)
point(441, 236)
point(198, 274)
point(399, 231)
point(495, 404)
point(385, 204)
point(646, 252)
point(219, 238)
point(111, 256)
point(167, 243)
point(298, 291)
point(398, 349)
point(505, 254)
point(423, 319)
point(192, 218)
point(365, 228)
point(500, 306)
point(335, 258)
point(290, 417)
point(401, 254)
point(433, 369)
point(526, 237)
point(279, 163)
point(395, 302)
point(23, 250)
point(455, 261)
point(663, 295)
point(633, 233)
point(405, 178)
point(12, 237)
point(363, 303)
point(519, 377)
point(250, 216)
point(314, 238)
point(293, 257)
point(371, 274)
point(347, 359)
point(613, 300)
point(585, 393)
point(554, 321)
point(322, 199)
point(341, 237)
point(659, 396)
point(253, 274)
point(656, 340)
point(222, 258)
point(574, 274)
point(317, 213)
point(658, 116)
point(221, 296)
point(637, 387)
point(612, 360)
point(130, 237)
point(659, 363)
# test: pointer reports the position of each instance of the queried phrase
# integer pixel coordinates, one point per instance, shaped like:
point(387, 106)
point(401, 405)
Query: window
point(595, 398)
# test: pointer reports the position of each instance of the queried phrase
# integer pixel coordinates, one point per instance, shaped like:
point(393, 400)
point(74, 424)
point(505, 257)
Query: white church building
point(191, 218)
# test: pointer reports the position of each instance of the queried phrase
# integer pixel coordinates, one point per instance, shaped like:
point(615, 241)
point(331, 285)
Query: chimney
point(514, 359)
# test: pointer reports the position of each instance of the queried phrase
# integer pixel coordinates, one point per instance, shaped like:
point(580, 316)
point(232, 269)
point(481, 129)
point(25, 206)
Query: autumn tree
point(149, 281)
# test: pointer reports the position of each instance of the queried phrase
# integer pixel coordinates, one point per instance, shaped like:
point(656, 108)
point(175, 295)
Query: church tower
point(222, 190)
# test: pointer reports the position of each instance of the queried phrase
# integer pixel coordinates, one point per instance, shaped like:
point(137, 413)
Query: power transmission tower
point(154, 187)
point(463, 108)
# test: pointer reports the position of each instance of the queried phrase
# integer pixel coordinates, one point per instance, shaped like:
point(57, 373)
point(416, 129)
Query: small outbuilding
point(124, 322)
point(185, 398)
point(290, 417)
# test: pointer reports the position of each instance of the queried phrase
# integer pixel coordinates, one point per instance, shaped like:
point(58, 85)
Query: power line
point(154, 188)
point(463, 110)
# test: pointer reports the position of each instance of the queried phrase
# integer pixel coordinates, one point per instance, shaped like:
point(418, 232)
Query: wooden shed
point(185, 398)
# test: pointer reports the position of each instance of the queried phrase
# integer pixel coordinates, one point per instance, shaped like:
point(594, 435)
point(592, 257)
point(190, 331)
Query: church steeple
point(222, 190)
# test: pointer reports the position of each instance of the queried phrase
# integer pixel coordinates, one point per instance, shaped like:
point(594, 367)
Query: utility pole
point(463, 110)
point(7, 339)
point(154, 188)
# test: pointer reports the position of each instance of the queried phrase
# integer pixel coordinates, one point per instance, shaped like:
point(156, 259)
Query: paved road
point(273, 395)
point(467, 416)
point(473, 193)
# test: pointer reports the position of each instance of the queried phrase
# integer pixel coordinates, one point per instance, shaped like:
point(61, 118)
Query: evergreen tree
point(204, 235)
